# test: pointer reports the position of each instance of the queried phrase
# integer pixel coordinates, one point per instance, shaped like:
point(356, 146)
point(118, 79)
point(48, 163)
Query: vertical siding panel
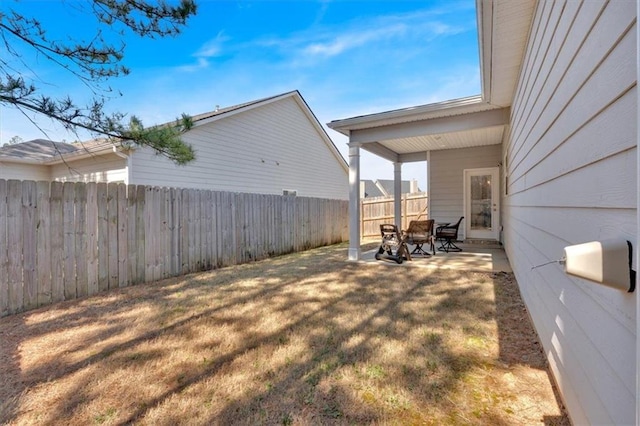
point(123, 236)
point(43, 250)
point(4, 244)
point(14, 234)
point(29, 217)
point(69, 244)
point(103, 237)
point(57, 245)
point(112, 215)
point(92, 238)
point(82, 276)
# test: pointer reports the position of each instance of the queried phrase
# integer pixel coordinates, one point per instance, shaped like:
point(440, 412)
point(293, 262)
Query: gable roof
point(387, 186)
point(221, 113)
point(404, 135)
point(41, 151)
point(370, 189)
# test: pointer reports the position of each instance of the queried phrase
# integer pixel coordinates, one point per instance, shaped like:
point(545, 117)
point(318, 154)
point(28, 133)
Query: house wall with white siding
point(23, 171)
point(446, 179)
point(571, 169)
point(265, 150)
point(103, 168)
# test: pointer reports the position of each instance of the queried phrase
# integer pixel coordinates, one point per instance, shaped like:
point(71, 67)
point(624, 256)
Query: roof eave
point(401, 115)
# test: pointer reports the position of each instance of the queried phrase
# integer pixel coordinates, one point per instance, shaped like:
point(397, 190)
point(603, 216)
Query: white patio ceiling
point(405, 135)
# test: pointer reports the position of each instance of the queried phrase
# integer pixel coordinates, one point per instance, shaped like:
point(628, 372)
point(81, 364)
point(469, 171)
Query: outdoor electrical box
point(606, 262)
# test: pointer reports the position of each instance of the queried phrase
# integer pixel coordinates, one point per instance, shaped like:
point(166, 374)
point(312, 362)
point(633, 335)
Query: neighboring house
point(269, 146)
point(384, 188)
point(546, 157)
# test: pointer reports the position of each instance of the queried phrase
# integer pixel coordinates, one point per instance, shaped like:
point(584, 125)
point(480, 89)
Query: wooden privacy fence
point(378, 210)
point(60, 241)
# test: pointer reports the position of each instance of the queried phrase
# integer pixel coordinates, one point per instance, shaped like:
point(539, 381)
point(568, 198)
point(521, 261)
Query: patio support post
point(354, 201)
point(397, 194)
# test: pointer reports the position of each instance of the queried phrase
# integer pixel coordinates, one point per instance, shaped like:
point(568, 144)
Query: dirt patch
point(301, 339)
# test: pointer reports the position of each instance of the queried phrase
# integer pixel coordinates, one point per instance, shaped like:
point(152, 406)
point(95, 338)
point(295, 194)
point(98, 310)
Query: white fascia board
point(245, 108)
point(17, 160)
point(381, 151)
point(484, 17)
point(457, 123)
point(422, 112)
point(321, 131)
point(85, 153)
point(61, 158)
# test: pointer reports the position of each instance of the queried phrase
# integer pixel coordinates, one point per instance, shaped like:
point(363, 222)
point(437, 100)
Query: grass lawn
point(301, 339)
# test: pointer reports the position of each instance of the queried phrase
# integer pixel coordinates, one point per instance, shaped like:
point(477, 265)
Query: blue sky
point(346, 58)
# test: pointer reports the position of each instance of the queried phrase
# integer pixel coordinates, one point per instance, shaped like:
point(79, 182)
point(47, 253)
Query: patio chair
point(420, 232)
point(393, 245)
point(447, 235)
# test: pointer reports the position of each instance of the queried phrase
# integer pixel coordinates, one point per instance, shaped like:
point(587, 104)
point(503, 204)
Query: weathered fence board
point(4, 278)
point(81, 244)
point(59, 241)
point(103, 238)
point(29, 228)
point(57, 237)
point(376, 211)
point(14, 240)
point(69, 241)
point(92, 238)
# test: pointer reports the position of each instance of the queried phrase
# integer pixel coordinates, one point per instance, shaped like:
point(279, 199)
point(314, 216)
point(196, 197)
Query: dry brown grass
point(302, 339)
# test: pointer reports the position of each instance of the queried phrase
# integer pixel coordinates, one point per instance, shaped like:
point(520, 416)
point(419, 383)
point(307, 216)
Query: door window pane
point(481, 202)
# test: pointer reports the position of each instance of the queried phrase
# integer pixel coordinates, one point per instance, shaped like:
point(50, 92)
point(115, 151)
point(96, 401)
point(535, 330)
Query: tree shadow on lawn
point(305, 338)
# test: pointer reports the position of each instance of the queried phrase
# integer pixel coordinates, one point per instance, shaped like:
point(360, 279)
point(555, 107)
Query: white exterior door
point(481, 203)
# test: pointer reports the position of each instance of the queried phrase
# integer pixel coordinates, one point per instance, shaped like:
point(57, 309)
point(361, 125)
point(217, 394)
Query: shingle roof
point(387, 184)
point(221, 111)
point(42, 149)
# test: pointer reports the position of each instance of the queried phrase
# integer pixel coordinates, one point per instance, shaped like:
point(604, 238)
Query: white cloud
point(352, 39)
point(213, 47)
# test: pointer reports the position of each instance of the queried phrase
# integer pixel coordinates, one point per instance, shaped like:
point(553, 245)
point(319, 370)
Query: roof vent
point(217, 108)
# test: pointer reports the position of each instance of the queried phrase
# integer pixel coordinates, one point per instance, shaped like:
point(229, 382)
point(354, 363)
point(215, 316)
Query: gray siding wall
point(264, 150)
point(571, 168)
point(24, 171)
point(105, 168)
point(446, 176)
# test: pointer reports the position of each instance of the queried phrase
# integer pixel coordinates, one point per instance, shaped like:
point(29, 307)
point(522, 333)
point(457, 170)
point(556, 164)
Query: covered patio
point(474, 257)
point(460, 139)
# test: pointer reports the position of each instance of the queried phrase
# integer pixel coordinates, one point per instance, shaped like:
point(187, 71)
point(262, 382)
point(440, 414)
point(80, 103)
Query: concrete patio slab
point(473, 257)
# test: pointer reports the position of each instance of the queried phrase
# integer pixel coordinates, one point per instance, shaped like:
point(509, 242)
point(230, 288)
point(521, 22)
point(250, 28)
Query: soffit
point(465, 139)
